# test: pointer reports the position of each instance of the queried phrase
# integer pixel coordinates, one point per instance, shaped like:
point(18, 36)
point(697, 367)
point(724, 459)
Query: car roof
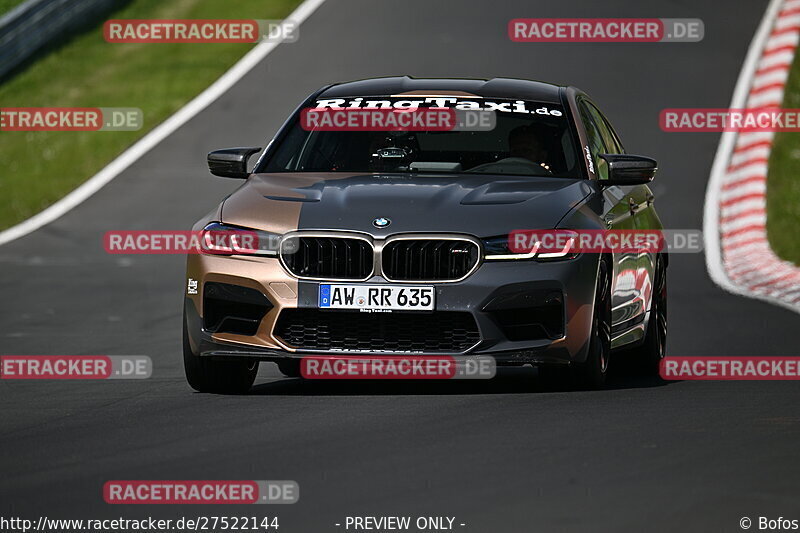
point(405, 85)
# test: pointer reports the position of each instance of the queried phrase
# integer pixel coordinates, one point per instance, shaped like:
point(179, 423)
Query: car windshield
point(524, 138)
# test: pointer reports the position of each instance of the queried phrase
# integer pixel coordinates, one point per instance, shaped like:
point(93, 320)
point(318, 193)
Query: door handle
point(633, 206)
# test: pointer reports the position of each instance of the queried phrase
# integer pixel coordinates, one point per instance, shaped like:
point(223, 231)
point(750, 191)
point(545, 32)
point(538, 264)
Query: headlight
point(546, 245)
point(223, 239)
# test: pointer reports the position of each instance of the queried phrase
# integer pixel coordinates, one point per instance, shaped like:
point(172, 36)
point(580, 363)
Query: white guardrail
point(34, 24)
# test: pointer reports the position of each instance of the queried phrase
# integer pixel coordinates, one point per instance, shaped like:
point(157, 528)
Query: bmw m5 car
point(396, 241)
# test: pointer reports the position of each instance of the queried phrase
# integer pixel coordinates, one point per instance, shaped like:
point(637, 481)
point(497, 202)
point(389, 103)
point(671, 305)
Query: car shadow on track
point(522, 380)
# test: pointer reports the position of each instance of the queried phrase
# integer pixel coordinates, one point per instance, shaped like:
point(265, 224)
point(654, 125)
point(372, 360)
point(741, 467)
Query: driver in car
point(523, 143)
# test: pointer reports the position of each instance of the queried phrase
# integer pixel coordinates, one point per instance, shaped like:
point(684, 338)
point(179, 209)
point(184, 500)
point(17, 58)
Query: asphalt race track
point(508, 455)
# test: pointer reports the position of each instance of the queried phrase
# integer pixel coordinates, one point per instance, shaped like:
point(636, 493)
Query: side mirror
point(624, 169)
point(231, 162)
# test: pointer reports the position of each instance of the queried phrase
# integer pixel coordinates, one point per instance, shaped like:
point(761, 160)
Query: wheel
point(647, 357)
point(289, 367)
point(591, 374)
point(222, 377)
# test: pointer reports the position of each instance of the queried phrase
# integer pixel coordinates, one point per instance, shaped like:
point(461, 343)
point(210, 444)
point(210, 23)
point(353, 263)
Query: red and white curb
point(738, 255)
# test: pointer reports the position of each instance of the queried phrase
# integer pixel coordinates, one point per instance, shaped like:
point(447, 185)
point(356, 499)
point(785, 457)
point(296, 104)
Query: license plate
point(377, 297)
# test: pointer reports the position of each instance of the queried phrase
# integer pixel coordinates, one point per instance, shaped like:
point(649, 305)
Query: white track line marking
point(155, 136)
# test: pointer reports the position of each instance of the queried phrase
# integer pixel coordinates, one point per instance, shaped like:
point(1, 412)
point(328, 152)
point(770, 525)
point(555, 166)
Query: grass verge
point(783, 181)
point(41, 167)
point(8, 5)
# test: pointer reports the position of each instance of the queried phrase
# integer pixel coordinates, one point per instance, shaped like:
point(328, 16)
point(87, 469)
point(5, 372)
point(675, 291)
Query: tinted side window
point(597, 144)
point(612, 139)
point(609, 139)
point(619, 148)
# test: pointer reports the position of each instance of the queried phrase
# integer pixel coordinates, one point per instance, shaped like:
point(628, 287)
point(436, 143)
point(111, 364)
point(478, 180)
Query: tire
point(591, 374)
point(289, 367)
point(646, 358)
point(220, 377)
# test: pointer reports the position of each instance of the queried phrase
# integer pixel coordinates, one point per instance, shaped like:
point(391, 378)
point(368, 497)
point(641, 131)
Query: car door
point(620, 212)
point(643, 202)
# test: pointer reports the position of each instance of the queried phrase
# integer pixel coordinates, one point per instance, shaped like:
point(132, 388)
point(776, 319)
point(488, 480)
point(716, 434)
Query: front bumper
point(505, 298)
